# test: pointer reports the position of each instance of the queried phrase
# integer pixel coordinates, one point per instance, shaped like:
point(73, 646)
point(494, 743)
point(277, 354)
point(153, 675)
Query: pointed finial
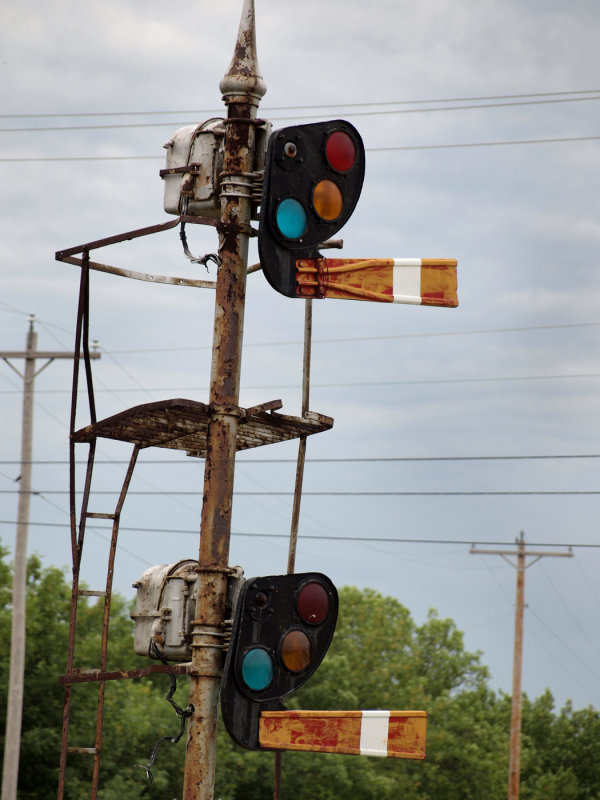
point(243, 79)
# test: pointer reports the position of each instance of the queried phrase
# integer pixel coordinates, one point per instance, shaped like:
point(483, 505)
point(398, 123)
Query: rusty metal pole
point(242, 89)
point(514, 761)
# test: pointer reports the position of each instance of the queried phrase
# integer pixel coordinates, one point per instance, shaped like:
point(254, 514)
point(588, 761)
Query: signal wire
point(344, 538)
point(305, 107)
point(466, 107)
point(358, 384)
point(483, 493)
point(335, 460)
point(464, 145)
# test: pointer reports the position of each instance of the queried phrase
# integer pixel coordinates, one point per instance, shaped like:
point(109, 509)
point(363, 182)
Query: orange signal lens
point(327, 200)
point(296, 651)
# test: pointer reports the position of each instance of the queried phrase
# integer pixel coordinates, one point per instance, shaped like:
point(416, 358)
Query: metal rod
point(302, 442)
point(94, 675)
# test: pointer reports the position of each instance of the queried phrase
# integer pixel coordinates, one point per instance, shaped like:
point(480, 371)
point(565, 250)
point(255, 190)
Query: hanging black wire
point(183, 714)
point(204, 259)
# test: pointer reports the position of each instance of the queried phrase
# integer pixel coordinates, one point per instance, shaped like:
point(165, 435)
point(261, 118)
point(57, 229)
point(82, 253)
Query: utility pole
point(242, 89)
point(14, 711)
point(521, 553)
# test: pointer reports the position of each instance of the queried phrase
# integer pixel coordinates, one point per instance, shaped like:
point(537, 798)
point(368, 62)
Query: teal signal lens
point(257, 669)
point(291, 218)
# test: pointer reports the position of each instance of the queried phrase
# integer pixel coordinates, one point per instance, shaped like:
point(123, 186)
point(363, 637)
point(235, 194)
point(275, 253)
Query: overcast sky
point(480, 122)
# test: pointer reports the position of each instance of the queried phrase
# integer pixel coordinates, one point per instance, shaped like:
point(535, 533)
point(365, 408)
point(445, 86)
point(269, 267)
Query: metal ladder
point(78, 529)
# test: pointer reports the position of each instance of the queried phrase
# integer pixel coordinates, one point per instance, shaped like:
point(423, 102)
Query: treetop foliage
point(379, 658)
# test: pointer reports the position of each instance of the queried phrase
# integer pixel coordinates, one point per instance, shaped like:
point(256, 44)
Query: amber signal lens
point(327, 200)
point(296, 651)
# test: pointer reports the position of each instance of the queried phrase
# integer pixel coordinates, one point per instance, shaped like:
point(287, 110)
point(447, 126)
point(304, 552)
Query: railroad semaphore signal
point(313, 179)
point(282, 628)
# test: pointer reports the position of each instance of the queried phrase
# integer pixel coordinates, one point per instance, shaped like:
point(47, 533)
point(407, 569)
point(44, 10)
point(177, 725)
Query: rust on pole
point(242, 88)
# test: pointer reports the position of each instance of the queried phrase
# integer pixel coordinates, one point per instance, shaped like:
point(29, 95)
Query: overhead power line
point(555, 140)
point(330, 537)
point(345, 385)
point(381, 112)
point(350, 460)
point(479, 98)
point(358, 493)
point(391, 148)
point(342, 340)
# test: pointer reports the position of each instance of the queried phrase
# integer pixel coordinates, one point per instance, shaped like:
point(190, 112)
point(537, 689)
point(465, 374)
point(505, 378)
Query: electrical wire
point(358, 493)
point(325, 460)
point(554, 140)
point(468, 107)
point(560, 641)
point(353, 384)
point(574, 618)
point(327, 537)
point(312, 106)
point(391, 148)
point(541, 640)
point(183, 713)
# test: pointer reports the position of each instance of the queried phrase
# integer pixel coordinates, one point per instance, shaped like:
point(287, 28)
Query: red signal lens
point(340, 151)
point(313, 603)
point(296, 651)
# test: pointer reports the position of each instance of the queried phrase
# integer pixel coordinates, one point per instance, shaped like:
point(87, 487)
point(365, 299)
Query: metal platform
point(182, 425)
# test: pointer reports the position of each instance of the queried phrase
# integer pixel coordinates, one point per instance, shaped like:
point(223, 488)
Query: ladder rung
point(87, 750)
point(98, 515)
point(85, 671)
point(91, 593)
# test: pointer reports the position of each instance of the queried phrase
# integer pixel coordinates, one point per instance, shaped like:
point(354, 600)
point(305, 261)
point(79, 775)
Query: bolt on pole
point(242, 88)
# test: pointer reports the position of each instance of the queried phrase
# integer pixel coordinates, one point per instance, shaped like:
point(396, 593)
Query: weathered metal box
point(164, 610)
point(195, 157)
point(194, 162)
point(166, 606)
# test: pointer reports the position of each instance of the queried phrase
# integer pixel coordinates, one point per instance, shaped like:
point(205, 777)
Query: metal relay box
point(166, 606)
point(195, 158)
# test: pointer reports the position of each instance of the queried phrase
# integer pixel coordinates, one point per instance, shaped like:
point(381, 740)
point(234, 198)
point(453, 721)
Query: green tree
point(559, 758)
point(136, 715)
point(379, 658)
